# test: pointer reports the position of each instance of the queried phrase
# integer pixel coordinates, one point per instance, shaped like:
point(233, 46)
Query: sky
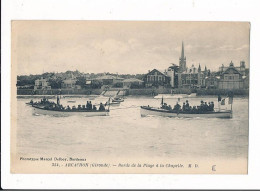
point(125, 47)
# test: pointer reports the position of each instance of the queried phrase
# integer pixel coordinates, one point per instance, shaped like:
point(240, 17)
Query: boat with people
point(112, 103)
point(69, 112)
point(57, 109)
point(117, 99)
point(205, 110)
point(175, 96)
point(71, 101)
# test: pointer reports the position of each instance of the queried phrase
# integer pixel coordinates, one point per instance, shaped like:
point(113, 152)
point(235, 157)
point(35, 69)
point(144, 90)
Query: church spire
point(182, 51)
point(182, 60)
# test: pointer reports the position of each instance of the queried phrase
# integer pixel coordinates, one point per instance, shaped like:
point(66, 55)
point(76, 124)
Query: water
point(126, 134)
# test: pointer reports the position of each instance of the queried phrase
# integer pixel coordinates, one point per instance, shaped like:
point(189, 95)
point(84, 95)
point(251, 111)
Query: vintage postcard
point(143, 97)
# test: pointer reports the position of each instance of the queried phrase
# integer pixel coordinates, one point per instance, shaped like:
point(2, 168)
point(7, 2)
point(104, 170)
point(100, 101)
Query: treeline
point(55, 79)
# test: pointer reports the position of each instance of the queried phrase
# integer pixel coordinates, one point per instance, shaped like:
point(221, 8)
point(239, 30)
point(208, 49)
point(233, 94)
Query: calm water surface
point(126, 134)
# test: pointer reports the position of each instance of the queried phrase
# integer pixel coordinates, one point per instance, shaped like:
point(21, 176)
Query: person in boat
point(169, 107)
point(206, 107)
point(58, 100)
point(183, 106)
point(187, 105)
point(90, 105)
point(79, 107)
point(177, 107)
point(101, 107)
point(212, 106)
point(94, 107)
point(84, 107)
point(194, 109)
point(164, 106)
point(219, 102)
point(87, 105)
point(68, 107)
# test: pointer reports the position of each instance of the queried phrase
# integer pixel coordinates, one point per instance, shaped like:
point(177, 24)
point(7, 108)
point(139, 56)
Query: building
point(242, 68)
point(231, 78)
point(109, 79)
point(172, 72)
point(189, 77)
point(211, 81)
point(192, 78)
point(41, 84)
point(132, 83)
point(69, 83)
point(156, 78)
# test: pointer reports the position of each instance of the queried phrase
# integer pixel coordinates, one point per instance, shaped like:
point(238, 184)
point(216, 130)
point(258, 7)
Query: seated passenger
point(164, 106)
point(101, 107)
point(168, 107)
point(90, 105)
point(212, 106)
point(79, 107)
point(187, 105)
point(177, 107)
point(87, 105)
point(94, 107)
point(183, 107)
point(205, 106)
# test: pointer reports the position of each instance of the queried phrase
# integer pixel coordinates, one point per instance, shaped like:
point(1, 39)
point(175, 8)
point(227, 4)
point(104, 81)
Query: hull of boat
point(175, 96)
point(165, 113)
point(42, 111)
point(117, 100)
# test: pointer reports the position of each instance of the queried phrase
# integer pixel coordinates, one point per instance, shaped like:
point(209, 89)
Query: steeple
point(182, 60)
point(199, 69)
point(182, 51)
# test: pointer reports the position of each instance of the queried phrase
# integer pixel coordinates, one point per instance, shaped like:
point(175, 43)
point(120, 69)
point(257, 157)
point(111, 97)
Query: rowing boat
point(88, 113)
point(175, 96)
point(146, 110)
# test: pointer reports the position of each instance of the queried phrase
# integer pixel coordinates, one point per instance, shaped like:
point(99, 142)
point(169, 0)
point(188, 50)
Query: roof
point(161, 72)
point(231, 69)
point(108, 77)
point(132, 80)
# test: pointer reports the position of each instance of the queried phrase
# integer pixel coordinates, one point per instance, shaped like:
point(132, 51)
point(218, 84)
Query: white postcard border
point(177, 10)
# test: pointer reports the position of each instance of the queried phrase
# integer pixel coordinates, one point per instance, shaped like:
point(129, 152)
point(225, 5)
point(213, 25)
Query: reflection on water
point(126, 134)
